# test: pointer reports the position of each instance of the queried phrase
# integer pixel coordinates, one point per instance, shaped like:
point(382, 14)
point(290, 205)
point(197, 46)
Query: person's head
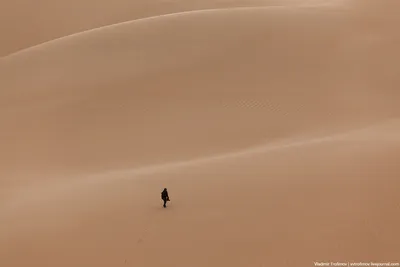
point(165, 189)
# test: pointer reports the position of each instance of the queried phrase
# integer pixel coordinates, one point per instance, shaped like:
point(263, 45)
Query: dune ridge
point(252, 151)
point(377, 132)
point(138, 11)
point(144, 20)
point(175, 14)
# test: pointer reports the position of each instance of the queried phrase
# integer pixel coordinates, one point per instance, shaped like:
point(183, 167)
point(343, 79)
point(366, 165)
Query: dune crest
point(16, 15)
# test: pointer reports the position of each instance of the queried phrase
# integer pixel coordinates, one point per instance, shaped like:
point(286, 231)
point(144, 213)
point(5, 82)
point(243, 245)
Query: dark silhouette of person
point(165, 197)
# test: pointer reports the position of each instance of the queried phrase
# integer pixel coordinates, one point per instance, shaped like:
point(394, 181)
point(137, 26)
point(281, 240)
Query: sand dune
point(275, 213)
point(275, 125)
point(69, 17)
point(239, 81)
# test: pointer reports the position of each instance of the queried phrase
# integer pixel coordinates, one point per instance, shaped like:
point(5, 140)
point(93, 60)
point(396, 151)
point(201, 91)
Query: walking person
point(165, 197)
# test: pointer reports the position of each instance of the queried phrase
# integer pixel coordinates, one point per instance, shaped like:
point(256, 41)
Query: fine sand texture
point(275, 126)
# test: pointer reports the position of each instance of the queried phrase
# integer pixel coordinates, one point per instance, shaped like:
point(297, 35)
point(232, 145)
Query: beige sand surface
point(28, 23)
point(274, 124)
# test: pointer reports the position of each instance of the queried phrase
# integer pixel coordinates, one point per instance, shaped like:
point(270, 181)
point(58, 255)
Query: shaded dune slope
point(185, 85)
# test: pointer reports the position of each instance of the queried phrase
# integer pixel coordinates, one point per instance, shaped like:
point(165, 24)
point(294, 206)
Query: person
point(165, 197)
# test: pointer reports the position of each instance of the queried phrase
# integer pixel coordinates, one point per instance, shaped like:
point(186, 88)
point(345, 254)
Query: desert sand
point(274, 124)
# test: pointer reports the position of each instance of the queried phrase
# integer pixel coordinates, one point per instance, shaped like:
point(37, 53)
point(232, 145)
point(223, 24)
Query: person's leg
point(165, 203)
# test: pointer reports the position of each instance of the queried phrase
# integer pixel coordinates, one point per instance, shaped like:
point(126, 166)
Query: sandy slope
point(53, 19)
point(275, 128)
